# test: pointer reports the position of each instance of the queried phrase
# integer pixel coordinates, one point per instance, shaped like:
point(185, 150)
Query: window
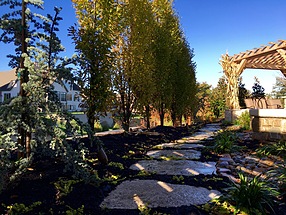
point(63, 96)
point(72, 107)
point(7, 96)
point(69, 97)
point(76, 97)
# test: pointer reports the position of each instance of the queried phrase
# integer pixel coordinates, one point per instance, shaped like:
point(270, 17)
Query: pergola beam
point(264, 66)
point(282, 53)
point(260, 51)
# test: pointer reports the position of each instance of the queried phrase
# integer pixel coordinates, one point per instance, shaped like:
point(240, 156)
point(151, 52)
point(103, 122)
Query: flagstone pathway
point(176, 158)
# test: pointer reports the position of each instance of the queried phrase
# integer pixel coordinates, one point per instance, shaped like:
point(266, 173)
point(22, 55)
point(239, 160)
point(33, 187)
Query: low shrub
point(243, 121)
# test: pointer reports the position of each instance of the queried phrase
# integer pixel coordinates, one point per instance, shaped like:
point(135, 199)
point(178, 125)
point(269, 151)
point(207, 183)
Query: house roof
point(7, 76)
point(9, 86)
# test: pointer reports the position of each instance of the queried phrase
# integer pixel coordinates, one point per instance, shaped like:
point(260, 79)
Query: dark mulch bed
point(37, 184)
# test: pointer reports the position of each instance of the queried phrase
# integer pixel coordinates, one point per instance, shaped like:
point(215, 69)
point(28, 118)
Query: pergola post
point(232, 72)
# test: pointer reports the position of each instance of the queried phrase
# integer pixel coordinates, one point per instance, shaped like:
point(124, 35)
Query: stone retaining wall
point(268, 124)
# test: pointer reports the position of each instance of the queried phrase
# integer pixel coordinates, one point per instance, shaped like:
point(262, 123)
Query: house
point(9, 85)
point(67, 91)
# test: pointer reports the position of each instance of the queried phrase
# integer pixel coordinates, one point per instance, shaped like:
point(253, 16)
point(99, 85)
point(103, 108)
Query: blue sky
point(212, 28)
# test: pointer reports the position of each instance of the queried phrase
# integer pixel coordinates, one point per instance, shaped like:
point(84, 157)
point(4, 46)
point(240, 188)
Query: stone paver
point(186, 145)
point(152, 193)
point(177, 159)
point(175, 154)
point(176, 167)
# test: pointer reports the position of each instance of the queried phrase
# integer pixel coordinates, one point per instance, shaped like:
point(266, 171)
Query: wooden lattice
point(271, 57)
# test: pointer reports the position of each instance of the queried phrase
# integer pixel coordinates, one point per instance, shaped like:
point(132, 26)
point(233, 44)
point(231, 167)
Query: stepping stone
point(175, 154)
point(192, 141)
point(200, 136)
point(152, 193)
point(186, 145)
point(210, 128)
point(176, 167)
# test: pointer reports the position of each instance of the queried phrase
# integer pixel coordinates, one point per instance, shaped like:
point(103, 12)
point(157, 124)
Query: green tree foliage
point(183, 84)
point(181, 73)
point(141, 38)
point(123, 65)
point(202, 96)
point(257, 90)
point(243, 93)
point(94, 38)
point(279, 88)
point(218, 97)
point(133, 71)
point(164, 17)
point(148, 73)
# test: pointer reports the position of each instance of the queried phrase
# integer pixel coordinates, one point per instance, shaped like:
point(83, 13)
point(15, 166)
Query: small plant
point(78, 211)
point(224, 142)
point(243, 121)
point(273, 149)
point(18, 209)
point(179, 179)
point(64, 187)
point(278, 177)
point(252, 196)
point(117, 165)
point(113, 179)
point(144, 210)
point(144, 173)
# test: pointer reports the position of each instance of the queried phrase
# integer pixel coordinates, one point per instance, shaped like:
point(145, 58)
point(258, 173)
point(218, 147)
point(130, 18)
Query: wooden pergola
point(272, 57)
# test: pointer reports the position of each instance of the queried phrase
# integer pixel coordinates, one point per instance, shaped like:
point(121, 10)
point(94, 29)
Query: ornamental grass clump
point(278, 179)
point(250, 196)
point(278, 149)
point(224, 142)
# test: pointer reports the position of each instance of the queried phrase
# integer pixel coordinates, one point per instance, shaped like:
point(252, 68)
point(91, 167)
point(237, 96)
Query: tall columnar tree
point(164, 17)
point(141, 26)
point(133, 72)
point(123, 65)
point(183, 76)
point(94, 38)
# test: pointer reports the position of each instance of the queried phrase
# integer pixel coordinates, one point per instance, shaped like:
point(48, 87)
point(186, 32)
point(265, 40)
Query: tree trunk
point(181, 120)
point(147, 111)
point(102, 157)
point(173, 117)
point(91, 119)
point(162, 114)
point(25, 139)
point(125, 109)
